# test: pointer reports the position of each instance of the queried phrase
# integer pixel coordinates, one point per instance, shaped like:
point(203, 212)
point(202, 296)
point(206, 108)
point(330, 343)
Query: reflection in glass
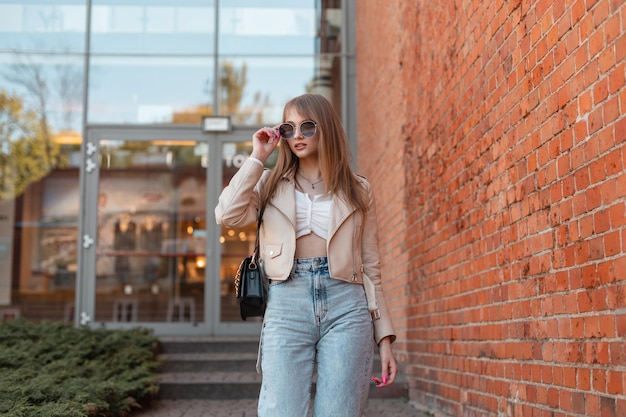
point(40, 118)
point(173, 27)
point(43, 27)
point(151, 245)
point(49, 85)
point(38, 247)
point(150, 90)
point(277, 28)
point(40, 109)
point(151, 62)
point(254, 90)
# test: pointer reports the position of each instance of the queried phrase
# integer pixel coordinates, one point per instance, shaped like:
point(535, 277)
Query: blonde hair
point(334, 156)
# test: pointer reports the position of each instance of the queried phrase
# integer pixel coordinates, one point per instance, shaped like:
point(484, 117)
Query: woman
point(319, 249)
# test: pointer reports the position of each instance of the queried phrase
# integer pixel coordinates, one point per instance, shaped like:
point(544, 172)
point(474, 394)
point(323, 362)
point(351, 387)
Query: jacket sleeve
point(239, 202)
point(383, 326)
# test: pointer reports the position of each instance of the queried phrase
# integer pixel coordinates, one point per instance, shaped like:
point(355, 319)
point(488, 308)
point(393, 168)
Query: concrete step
point(210, 385)
point(224, 369)
point(172, 345)
point(207, 362)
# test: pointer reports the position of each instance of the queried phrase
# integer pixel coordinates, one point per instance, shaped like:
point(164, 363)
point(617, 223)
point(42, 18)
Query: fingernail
point(384, 379)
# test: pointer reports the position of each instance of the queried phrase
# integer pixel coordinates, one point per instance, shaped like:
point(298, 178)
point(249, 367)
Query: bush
point(52, 369)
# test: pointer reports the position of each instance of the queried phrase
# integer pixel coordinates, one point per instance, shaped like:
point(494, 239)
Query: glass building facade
point(121, 121)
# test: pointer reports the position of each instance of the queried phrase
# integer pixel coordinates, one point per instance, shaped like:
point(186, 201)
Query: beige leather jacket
point(347, 259)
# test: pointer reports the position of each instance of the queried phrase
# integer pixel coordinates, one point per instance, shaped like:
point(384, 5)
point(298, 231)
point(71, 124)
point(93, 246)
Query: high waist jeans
point(312, 319)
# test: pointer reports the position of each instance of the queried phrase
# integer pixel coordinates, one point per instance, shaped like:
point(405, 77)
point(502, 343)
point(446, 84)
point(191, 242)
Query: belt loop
point(375, 314)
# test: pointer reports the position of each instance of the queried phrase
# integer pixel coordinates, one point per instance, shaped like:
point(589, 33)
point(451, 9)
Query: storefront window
point(253, 91)
point(155, 63)
point(40, 226)
point(277, 28)
point(150, 90)
point(151, 62)
point(49, 86)
point(40, 138)
point(272, 51)
point(57, 25)
point(151, 245)
point(149, 27)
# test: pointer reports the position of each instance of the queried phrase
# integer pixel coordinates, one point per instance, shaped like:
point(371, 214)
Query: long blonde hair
point(334, 156)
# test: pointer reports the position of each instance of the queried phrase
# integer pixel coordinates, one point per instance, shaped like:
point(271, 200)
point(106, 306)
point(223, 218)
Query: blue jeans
point(312, 319)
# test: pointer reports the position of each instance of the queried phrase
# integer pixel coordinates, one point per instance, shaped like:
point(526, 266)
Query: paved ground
point(247, 408)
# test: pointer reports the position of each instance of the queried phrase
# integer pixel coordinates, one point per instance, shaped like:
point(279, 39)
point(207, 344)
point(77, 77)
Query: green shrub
point(52, 369)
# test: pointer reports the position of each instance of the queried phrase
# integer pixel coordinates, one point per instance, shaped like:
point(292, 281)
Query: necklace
point(309, 181)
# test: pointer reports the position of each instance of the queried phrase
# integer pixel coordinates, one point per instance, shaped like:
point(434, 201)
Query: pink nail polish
point(384, 379)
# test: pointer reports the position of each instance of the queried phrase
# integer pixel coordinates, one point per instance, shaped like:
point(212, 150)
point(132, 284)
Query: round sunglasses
point(307, 128)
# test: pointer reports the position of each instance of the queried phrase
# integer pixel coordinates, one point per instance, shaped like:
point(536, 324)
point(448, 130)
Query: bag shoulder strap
point(258, 231)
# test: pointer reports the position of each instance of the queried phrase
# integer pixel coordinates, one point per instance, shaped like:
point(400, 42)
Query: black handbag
point(250, 282)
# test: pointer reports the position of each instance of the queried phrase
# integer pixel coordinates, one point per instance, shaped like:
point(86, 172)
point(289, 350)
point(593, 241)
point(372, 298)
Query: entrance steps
point(209, 368)
point(225, 369)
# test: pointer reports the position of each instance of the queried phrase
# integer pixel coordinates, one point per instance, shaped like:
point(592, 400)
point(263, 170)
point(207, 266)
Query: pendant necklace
point(311, 183)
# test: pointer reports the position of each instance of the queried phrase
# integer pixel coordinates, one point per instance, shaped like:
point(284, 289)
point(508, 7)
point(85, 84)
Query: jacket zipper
point(354, 243)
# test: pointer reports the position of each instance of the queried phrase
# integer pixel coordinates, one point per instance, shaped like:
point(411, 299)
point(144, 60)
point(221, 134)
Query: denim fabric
point(312, 319)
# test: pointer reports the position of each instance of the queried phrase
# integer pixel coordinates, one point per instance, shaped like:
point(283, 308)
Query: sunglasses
point(288, 130)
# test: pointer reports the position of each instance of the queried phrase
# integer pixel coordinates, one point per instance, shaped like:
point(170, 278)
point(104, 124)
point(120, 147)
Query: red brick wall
point(494, 134)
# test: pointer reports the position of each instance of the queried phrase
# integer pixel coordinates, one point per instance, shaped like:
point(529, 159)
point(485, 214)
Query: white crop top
point(312, 216)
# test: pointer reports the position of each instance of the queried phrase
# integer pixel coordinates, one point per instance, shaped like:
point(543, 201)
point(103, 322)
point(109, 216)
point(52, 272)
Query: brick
point(595, 122)
point(620, 321)
point(578, 402)
point(608, 407)
point(569, 377)
point(606, 61)
point(616, 79)
point(592, 405)
point(617, 215)
point(599, 380)
point(620, 43)
point(606, 140)
point(620, 407)
point(511, 127)
point(597, 172)
point(583, 377)
point(620, 131)
point(613, 163)
point(612, 245)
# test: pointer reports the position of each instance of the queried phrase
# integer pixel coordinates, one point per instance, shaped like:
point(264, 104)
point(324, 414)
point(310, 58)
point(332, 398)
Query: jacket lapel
point(338, 214)
point(285, 200)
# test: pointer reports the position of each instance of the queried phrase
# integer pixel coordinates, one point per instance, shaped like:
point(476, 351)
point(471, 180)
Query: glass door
point(152, 254)
point(151, 231)
point(145, 229)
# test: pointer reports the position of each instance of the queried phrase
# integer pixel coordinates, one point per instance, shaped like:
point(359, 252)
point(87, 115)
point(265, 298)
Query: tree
point(232, 84)
point(31, 76)
point(58, 85)
point(26, 153)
